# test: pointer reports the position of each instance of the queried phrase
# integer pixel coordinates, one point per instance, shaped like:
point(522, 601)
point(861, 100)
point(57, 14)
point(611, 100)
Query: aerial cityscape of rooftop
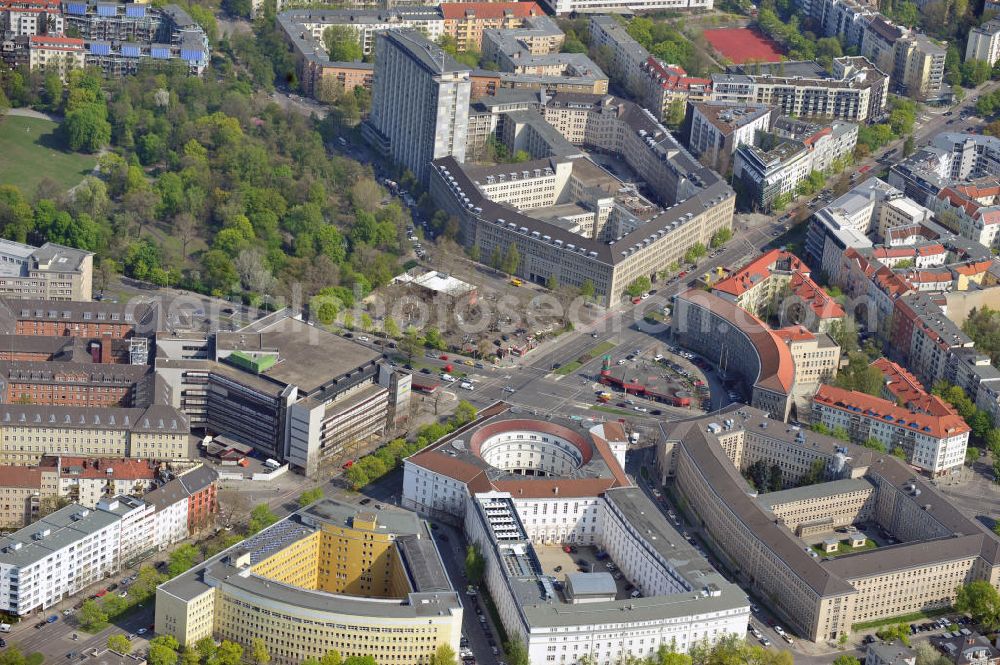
point(535, 332)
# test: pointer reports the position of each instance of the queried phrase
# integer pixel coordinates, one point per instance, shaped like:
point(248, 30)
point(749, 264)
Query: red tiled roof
point(474, 475)
point(674, 77)
point(822, 305)
point(56, 43)
point(794, 333)
point(121, 469)
point(886, 411)
point(489, 10)
point(899, 381)
point(20, 476)
point(966, 196)
point(777, 368)
point(974, 268)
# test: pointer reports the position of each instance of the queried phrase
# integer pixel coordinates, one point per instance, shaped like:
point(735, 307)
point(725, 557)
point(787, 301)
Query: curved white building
point(527, 489)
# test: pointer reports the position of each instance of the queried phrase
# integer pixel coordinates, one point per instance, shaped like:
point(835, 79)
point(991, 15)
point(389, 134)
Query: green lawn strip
point(569, 368)
point(32, 150)
point(611, 410)
point(846, 548)
point(593, 353)
point(903, 618)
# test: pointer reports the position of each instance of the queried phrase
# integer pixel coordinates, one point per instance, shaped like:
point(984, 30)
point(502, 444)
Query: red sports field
point(740, 45)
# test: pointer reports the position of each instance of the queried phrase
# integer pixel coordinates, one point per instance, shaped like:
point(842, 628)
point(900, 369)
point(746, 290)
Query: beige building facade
point(328, 578)
point(822, 597)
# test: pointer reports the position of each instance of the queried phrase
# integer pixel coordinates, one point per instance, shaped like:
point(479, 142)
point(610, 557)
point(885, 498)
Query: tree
point(259, 652)
point(444, 655)
point(874, 444)
point(517, 653)
point(206, 649)
point(846, 659)
point(342, 44)
point(261, 517)
point(87, 129)
point(639, 285)
point(674, 116)
point(390, 327)
point(475, 565)
point(464, 413)
point(182, 559)
point(119, 643)
point(587, 289)
point(190, 657)
point(981, 601)
point(410, 344)
point(161, 654)
point(899, 631)
point(92, 616)
point(898, 452)
point(511, 259)
point(228, 653)
point(310, 496)
point(721, 237)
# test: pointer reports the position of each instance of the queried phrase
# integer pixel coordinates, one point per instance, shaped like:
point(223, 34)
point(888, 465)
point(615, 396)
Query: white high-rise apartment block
point(420, 101)
point(984, 42)
point(57, 556)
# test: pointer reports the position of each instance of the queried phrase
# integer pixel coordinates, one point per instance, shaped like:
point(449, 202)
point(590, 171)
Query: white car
point(465, 385)
point(363, 338)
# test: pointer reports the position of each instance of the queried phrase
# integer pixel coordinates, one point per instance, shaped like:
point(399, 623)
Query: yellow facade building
point(328, 578)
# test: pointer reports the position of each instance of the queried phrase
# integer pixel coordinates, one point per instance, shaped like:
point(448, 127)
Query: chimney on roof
point(106, 350)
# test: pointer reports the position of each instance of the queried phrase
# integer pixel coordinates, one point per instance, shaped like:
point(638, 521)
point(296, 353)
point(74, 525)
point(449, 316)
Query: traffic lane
point(454, 563)
point(56, 640)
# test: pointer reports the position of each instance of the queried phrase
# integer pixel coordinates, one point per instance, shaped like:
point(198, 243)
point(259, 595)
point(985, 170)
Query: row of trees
point(377, 464)
point(209, 185)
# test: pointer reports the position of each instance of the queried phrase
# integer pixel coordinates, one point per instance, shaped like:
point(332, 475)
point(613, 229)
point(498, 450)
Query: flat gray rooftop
point(308, 356)
point(817, 491)
point(66, 526)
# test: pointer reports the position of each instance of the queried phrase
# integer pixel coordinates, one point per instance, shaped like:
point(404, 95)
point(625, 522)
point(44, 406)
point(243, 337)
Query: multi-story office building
point(55, 53)
point(856, 91)
point(923, 338)
point(330, 577)
point(771, 170)
point(121, 36)
point(626, 236)
point(467, 22)
point(749, 349)
point(914, 62)
point(21, 492)
point(26, 18)
point(261, 386)
point(29, 431)
point(92, 320)
point(520, 485)
point(655, 84)
point(590, 6)
point(827, 142)
point(933, 440)
point(75, 384)
point(49, 272)
point(420, 102)
point(984, 42)
point(819, 597)
point(779, 282)
point(627, 55)
point(975, 205)
point(58, 556)
point(87, 481)
point(716, 129)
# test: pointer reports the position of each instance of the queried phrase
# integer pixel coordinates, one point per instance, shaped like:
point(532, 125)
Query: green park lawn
point(31, 150)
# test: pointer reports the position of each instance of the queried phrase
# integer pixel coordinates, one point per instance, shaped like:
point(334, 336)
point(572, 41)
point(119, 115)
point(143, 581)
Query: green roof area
point(253, 363)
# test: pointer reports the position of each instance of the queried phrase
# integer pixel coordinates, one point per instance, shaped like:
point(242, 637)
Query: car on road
point(766, 642)
point(52, 619)
point(142, 631)
point(508, 389)
point(365, 501)
point(3, 642)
